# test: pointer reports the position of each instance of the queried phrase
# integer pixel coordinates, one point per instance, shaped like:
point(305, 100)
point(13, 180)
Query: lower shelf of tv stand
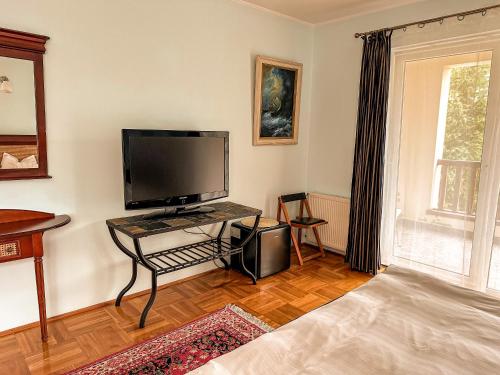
point(175, 259)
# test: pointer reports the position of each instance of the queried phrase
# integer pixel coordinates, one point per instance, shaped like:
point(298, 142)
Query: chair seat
point(308, 221)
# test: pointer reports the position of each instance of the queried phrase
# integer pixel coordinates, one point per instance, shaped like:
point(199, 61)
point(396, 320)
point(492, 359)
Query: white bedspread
point(400, 322)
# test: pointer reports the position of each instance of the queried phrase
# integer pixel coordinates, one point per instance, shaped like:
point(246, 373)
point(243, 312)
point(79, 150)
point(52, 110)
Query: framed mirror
point(23, 145)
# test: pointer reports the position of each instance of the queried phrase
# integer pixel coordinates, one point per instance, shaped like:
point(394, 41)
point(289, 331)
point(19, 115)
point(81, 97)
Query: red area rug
point(185, 348)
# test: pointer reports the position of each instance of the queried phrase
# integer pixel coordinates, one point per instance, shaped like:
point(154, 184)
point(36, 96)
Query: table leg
point(151, 300)
point(129, 285)
point(40, 289)
point(245, 269)
point(243, 243)
point(219, 239)
point(154, 283)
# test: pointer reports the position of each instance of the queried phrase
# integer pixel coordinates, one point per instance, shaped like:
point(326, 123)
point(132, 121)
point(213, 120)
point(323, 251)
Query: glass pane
point(443, 121)
point(494, 276)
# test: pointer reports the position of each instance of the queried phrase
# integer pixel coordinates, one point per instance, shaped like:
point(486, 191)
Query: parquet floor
point(87, 336)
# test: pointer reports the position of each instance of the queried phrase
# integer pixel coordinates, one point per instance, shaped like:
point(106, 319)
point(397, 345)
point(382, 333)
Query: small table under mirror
point(23, 146)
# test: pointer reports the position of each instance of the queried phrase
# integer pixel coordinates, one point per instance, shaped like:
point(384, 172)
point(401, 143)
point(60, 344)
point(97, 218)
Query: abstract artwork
point(277, 101)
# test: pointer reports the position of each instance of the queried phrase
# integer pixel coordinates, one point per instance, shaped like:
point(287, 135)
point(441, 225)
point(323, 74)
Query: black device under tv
point(174, 170)
point(266, 253)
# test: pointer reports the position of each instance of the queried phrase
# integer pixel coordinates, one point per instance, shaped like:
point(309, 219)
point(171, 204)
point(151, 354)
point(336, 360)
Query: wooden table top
point(137, 226)
point(27, 227)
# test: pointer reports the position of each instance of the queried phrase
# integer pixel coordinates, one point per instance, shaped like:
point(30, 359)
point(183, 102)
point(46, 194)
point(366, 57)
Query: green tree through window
point(464, 135)
point(466, 116)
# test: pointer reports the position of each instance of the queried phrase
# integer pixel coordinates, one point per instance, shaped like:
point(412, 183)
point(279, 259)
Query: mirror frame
point(27, 46)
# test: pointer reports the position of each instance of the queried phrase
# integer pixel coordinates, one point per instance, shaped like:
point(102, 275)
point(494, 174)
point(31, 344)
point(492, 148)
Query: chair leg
point(297, 248)
point(318, 241)
point(299, 237)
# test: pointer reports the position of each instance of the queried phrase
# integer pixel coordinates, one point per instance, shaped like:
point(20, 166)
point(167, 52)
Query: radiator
point(335, 210)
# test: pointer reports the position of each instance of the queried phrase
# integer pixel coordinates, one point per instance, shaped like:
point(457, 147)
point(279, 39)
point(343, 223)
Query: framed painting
point(277, 102)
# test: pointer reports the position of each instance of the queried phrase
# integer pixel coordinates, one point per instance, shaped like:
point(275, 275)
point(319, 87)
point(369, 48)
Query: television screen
point(174, 168)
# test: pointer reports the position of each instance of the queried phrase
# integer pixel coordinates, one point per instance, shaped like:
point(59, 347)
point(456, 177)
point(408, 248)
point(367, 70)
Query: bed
point(400, 322)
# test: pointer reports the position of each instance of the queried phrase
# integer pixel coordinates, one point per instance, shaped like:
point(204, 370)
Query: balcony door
point(442, 173)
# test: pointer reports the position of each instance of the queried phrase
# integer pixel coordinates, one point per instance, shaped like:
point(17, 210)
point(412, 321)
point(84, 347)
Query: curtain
point(363, 244)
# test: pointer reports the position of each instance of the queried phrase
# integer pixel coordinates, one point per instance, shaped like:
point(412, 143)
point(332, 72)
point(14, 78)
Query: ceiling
point(318, 11)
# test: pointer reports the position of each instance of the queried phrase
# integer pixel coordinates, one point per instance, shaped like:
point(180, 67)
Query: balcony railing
point(458, 186)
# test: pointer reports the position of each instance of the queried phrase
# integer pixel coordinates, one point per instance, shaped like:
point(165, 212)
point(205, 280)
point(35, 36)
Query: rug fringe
point(253, 319)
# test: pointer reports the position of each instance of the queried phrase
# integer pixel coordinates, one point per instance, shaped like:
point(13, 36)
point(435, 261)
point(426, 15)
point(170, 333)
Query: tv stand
point(179, 211)
point(174, 259)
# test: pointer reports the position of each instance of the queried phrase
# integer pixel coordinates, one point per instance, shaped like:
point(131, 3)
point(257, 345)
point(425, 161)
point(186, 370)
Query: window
point(442, 174)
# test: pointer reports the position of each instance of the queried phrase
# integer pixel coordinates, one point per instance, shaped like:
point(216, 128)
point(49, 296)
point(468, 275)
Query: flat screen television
point(176, 169)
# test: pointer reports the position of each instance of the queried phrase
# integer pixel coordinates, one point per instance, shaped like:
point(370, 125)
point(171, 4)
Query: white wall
point(336, 69)
point(178, 64)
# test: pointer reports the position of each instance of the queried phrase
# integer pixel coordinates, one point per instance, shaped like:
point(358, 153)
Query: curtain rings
point(461, 17)
point(441, 21)
point(404, 29)
point(484, 12)
point(421, 25)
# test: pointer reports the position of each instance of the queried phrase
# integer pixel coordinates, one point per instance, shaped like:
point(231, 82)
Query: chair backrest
point(302, 197)
point(293, 197)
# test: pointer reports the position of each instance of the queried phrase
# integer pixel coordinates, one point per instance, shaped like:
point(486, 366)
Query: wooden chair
point(300, 223)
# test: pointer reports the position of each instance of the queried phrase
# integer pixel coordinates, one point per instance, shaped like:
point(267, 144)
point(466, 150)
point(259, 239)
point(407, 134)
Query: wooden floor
point(85, 337)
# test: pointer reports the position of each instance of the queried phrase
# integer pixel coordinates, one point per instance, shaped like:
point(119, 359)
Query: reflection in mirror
point(18, 128)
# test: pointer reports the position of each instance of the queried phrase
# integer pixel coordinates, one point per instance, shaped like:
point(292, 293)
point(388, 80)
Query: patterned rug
point(185, 348)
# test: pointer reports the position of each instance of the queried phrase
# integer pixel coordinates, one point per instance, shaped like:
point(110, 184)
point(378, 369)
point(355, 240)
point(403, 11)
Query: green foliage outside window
point(465, 122)
point(466, 116)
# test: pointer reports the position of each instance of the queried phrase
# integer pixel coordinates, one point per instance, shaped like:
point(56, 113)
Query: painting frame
point(262, 63)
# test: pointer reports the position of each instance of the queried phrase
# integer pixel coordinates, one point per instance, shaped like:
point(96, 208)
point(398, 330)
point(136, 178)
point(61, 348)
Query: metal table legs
point(139, 258)
point(129, 285)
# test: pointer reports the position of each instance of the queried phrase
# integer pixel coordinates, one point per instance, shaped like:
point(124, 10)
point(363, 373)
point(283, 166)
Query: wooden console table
point(170, 260)
point(21, 237)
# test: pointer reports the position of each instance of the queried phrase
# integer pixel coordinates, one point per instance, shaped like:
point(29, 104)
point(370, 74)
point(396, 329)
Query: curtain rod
point(460, 16)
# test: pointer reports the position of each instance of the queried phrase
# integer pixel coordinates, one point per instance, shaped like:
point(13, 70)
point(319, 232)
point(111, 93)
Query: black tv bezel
point(180, 200)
